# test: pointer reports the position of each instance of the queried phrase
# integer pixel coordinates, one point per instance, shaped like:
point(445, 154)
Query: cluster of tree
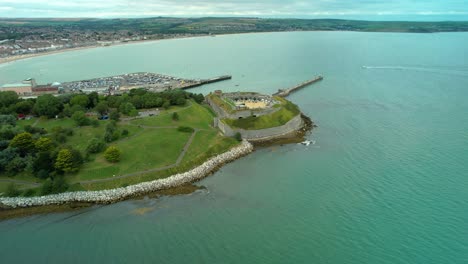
point(77, 105)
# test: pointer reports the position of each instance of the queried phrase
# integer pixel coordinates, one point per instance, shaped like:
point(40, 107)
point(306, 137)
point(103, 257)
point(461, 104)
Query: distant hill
point(217, 25)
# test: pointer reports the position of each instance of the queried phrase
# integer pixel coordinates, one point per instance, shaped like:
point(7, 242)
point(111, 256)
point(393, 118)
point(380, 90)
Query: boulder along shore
point(118, 194)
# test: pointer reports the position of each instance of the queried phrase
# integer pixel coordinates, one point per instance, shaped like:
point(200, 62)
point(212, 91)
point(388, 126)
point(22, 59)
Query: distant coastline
point(285, 25)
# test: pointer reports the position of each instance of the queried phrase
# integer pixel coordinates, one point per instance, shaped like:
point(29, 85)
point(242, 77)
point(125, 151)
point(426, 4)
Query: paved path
point(34, 184)
point(179, 160)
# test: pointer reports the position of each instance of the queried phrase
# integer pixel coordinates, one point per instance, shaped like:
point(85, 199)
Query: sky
point(258, 8)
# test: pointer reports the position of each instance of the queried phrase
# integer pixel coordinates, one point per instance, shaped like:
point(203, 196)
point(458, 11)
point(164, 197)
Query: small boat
point(308, 142)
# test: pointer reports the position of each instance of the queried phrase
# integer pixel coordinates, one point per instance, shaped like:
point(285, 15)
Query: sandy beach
point(26, 56)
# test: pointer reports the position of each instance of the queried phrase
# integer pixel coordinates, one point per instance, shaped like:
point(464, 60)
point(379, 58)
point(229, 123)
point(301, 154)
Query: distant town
point(32, 36)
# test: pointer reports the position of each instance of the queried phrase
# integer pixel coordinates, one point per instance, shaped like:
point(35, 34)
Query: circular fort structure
point(257, 117)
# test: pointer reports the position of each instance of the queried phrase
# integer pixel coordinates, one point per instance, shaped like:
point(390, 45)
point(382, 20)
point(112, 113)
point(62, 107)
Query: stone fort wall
point(293, 125)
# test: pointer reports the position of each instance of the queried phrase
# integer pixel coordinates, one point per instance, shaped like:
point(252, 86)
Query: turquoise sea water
point(386, 181)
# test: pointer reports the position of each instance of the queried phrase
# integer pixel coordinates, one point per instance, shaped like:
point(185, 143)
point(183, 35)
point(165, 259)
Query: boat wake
point(453, 71)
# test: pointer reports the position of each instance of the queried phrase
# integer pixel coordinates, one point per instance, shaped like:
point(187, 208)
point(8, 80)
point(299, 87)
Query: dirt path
point(19, 182)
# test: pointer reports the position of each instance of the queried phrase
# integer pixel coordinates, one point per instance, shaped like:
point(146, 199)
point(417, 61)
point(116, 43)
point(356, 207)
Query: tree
point(114, 115)
point(175, 116)
point(43, 164)
point(166, 104)
point(7, 120)
point(112, 154)
point(24, 107)
point(199, 98)
point(127, 108)
point(8, 98)
point(23, 141)
point(80, 118)
point(95, 145)
point(8, 132)
point(68, 160)
point(47, 105)
point(93, 100)
point(81, 100)
point(44, 144)
point(102, 108)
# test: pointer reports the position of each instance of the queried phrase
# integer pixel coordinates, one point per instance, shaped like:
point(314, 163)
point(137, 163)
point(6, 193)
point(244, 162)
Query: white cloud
point(140, 8)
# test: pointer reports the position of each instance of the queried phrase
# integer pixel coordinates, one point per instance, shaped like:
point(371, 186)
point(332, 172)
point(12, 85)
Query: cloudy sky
point(267, 8)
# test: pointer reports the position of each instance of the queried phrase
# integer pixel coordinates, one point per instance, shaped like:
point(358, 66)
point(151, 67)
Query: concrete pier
point(286, 92)
point(207, 81)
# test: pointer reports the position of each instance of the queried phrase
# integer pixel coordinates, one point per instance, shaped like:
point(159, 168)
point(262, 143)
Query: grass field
point(286, 113)
point(83, 135)
point(152, 142)
point(25, 122)
point(198, 153)
point(48, 124)
point(153, 148)
point(195, 116)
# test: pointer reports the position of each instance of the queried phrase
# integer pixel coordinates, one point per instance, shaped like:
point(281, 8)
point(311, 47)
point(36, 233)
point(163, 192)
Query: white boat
point(308, 142)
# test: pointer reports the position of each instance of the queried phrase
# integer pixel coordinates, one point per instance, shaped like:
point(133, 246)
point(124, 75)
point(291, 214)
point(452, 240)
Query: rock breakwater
point(118, 194)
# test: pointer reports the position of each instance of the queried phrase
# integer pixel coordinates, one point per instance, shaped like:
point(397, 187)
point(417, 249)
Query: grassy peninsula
point(64, 148)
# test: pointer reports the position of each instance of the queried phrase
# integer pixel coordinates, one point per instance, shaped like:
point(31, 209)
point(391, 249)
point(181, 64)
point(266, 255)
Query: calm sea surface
point(386, 181)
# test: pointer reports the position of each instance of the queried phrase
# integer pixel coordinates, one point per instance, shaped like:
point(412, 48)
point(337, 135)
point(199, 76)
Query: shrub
point(125, 132)
point(57, 185)
point(28, 193)
point(175, 116)
point(80, 118)
point(238, 136)
point(95, 145)
point(185, 129)
point(12, 190)
point(112, 154)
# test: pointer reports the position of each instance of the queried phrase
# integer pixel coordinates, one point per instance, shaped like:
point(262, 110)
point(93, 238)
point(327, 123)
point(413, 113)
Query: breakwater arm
point(207, 81)
point(286, 92)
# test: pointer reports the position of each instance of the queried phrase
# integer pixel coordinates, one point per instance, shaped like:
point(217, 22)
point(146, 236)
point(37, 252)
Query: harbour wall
point(292, 126)
point(118, 194)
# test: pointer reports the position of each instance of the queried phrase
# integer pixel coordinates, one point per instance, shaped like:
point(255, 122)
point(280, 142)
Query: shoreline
point(115, 195)
point(15, 58)
point(178, 184)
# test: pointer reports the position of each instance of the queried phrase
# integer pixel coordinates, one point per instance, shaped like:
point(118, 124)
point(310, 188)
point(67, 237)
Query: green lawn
point(83, 135)
point(278, 118)
point(195, 116)
point(23, 123)
point(153, 148)
point(206, 144)
point(48, 124)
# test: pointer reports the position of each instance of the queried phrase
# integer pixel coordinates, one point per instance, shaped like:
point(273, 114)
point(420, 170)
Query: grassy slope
point(150, 149)
point(145, 147)
point(196, 155)
point(48, 124)
point(195, 116)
